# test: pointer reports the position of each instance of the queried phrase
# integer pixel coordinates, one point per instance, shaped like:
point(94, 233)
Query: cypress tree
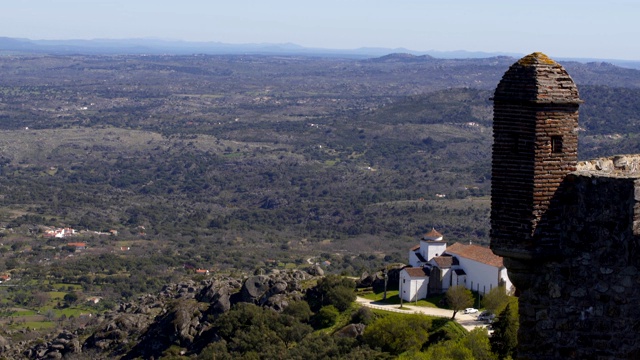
point(505, 333)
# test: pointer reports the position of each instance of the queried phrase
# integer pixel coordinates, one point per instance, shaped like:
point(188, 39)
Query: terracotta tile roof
point(443, 261)
point(417, 271)
point(77, 244)
point(433, 234)
point(478, 253)
point(417, 247)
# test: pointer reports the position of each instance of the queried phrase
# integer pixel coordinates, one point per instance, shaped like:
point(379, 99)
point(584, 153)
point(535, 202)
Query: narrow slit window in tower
point(556, 144)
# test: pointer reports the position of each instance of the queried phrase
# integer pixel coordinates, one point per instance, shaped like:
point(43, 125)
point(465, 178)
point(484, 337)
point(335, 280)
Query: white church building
point(434, 267)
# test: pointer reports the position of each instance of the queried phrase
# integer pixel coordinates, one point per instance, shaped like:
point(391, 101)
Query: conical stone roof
point(536, 78)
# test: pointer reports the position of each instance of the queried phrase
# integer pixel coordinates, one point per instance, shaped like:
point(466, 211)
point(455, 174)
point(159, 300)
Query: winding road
point(468, 321)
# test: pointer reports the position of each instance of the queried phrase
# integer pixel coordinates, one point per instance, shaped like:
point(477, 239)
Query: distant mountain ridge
point(178, 47)
point(156, 46)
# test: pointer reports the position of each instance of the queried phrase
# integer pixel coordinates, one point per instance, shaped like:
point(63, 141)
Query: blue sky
point(560, 28)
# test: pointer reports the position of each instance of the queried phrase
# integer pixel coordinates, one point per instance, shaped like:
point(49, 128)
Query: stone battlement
point(615, 166)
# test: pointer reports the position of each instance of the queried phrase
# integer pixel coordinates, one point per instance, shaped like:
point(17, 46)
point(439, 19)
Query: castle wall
point(569, 232)
point(586, 303)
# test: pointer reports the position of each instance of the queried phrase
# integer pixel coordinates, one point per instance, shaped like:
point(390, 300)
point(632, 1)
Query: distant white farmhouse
point(434, 268)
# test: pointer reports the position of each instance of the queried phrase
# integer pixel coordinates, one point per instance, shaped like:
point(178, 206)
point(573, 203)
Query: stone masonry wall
point(569, 232)
point(551, 168)
point(585, 304)
point(535, 146)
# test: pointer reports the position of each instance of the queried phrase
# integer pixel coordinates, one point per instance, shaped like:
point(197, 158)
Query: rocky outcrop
point(270, 290)
point(118, 332)
point(218, 294)
point(351, 331)
point(186, 289)
point(4, 345)
point(315, 270)
point(179, 315)
point(255, 288)
point(179, 325)
point(376, 280)
point(65, 343)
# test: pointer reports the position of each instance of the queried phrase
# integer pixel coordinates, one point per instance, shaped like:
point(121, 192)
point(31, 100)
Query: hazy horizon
point(568, 29)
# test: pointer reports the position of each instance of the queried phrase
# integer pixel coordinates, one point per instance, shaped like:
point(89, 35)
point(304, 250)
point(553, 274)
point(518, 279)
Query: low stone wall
point(619, 165)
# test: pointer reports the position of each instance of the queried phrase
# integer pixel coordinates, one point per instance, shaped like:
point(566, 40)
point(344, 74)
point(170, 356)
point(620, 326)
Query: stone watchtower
point(535, 146)
point(569, 232)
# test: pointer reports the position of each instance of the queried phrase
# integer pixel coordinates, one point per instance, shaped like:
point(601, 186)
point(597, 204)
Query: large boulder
point(274, 290)
point(254, 288)
point(351, 331)
point(180, 325)
point(218, 295)
point(117, 332)
point(366, 280)
point(4, 344)
point(315, 270)
point(376, 280)
point(277, 302)
point(63, 344)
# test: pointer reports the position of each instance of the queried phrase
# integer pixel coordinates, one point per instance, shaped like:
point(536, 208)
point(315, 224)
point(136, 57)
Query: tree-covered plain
point(232, 163)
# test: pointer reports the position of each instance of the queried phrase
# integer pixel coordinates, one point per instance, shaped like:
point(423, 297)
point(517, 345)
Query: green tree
point(215, 350)
point(21, 298)
point(332, 290)
point(458, 298)
point(70, 298)
point(363, 315)
point(474, 346)
point(413, 355)
point(247, 331)
point(253, 332)
point(327, 316)
point(290, 330)
point(11, 263)
point(449, 350)
point(504, 339)
point(495, 300)
point(478, 342)
point(299, 310)
point(322, 346)
point(397, 333)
